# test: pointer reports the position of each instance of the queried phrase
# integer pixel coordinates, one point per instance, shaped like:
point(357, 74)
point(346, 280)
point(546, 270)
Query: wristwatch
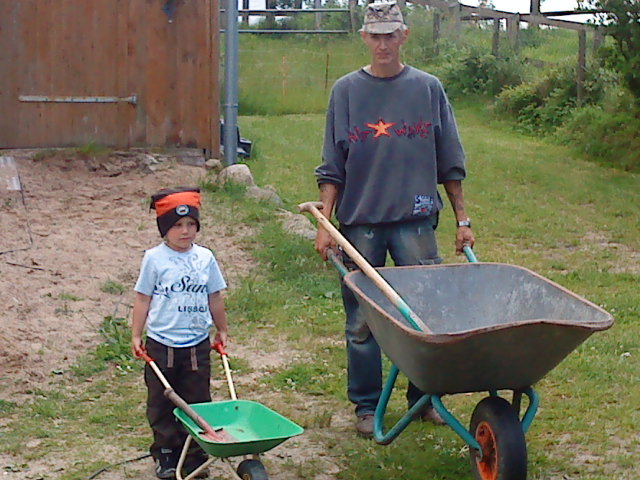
point(464, 223)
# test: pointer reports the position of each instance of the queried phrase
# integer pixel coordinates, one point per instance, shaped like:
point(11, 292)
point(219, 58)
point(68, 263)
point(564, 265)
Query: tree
point(621, 20)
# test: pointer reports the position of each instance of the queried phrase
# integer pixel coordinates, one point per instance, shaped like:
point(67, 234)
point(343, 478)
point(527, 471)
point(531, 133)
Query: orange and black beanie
point(171, 204)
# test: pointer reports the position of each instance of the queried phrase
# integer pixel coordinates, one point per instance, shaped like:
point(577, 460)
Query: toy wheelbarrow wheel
point(252, 470)
point(496, 427)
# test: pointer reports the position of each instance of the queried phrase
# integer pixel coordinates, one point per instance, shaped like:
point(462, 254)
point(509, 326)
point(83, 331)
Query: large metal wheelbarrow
point(475, 327)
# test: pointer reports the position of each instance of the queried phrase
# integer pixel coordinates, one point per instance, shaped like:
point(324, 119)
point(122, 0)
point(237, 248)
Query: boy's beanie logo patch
point(182, 210)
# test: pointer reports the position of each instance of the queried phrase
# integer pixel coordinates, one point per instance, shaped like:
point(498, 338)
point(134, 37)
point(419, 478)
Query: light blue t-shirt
point(179, 284)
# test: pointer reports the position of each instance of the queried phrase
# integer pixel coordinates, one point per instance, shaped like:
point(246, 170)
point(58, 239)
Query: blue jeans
point(408, 243)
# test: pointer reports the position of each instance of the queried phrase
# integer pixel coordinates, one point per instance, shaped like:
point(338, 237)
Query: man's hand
point(324, 241)
point(328, 196)
point(464, 236)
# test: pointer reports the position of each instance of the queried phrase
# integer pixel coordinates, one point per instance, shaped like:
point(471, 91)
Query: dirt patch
point(75, 225)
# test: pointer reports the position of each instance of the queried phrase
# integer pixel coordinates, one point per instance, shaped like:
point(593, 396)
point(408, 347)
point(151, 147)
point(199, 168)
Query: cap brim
point(381, 27)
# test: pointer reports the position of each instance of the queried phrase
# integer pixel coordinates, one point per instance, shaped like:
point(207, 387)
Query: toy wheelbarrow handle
point(209, 432)
point(227, 371)
point(415, 321)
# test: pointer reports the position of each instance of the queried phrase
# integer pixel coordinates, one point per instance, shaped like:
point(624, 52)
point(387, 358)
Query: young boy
point(178, 294)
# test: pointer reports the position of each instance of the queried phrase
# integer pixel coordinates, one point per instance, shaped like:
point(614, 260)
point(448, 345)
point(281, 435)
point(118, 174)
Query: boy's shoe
point(193, 461)
point(364, 425)
point(166, 464)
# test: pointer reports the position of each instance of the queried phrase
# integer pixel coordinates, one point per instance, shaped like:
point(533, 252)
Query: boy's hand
point(221, 338)
point(137, 347)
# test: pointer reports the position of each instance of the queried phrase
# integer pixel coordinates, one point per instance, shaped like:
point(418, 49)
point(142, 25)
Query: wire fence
point(295, 73)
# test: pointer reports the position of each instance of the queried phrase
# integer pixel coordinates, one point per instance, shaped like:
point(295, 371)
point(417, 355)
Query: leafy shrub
point(610, 137)
point(621, 22)
point(513, 100)
point(546, 103)
point(477, 72)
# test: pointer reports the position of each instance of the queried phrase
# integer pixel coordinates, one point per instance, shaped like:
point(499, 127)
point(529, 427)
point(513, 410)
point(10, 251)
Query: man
point(390, 138)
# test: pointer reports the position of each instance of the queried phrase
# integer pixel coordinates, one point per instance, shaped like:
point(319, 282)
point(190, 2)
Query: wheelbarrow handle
point(218, 348)
point(227, 370)
point(179, 402)
point(468, 251)
point(367, 269)
point(337, 262)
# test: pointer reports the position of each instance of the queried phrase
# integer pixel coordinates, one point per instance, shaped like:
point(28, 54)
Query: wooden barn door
point(113, 72)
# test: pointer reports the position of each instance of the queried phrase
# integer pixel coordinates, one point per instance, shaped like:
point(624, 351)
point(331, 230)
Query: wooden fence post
point(582, 64)
point(513, 25)
point(318, 4)
point(271, 18)
point(598, 37)
point(535, 7)
point(535, 12)
point(326, 73)
point(495, 44)
point(456, 16)
point(353, 5)
point(245, 16)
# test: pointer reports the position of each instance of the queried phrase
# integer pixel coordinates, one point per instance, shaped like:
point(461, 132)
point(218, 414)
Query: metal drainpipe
point(231, 84)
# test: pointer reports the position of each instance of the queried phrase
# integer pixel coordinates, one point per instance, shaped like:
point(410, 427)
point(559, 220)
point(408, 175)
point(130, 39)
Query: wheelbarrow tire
point(496, 427)
point(252, 470)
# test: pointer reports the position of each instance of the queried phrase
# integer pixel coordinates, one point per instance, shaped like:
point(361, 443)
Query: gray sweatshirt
point(388, 143)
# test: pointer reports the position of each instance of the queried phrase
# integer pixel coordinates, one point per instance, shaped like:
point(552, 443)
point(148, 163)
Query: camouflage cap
point(382, 17)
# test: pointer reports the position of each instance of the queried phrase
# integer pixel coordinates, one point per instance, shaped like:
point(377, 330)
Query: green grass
point(113, 287)
point(272, 82)
point(534, 204)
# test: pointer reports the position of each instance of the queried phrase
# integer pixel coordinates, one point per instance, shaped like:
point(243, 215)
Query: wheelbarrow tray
point(494, 326)
point(254, 427)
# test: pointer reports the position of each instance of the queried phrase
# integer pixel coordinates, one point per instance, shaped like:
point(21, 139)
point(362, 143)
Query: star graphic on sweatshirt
point(381, 128)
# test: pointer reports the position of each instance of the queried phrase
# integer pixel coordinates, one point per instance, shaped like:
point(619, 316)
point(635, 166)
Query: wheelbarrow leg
point(183, 456)
point(379, 435)
point(532, 408)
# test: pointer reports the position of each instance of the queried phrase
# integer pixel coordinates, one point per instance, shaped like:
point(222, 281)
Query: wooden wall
point(109, 49)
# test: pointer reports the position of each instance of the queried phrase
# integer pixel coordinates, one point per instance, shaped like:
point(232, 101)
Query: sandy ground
point(68, 225)
point(75, 225)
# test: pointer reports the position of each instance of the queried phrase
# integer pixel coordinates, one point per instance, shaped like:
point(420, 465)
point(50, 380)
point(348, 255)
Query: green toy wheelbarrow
point(232, 428)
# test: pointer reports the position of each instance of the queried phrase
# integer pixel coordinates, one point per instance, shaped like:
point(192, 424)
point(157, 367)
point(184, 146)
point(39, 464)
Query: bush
point(481, 73)
point(610, 138)
point(546, 103)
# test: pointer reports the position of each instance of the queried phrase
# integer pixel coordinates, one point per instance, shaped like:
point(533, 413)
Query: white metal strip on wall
point(9, 173)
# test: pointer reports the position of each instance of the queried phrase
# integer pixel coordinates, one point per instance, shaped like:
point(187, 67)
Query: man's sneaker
point(429, 414)
point(166, 464)
point(364, 425)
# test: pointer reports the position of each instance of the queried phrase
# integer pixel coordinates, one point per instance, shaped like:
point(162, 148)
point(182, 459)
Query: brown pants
point(188, 371)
